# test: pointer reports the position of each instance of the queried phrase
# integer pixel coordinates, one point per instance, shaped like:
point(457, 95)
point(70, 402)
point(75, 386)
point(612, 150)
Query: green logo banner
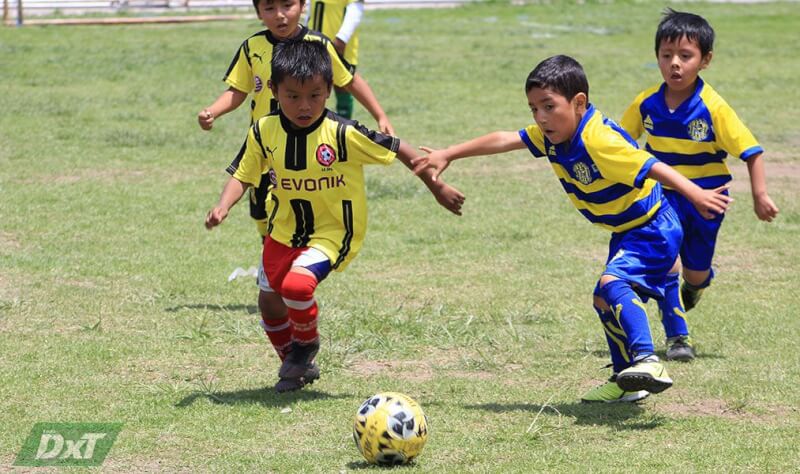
point(68, 444)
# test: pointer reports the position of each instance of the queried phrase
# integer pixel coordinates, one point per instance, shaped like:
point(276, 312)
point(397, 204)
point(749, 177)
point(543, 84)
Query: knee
point(600, 304)
point(298, 287)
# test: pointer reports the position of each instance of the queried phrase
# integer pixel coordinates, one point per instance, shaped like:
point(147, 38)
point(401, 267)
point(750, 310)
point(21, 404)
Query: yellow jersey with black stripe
point(317, 176)
point(327, 17)
point(695, 138)
point(603, 172)
point(251, 69)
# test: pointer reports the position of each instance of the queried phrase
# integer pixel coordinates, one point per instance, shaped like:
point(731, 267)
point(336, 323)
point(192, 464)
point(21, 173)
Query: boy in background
point(616, 186)
point(318, 222)
point(339, 20)
point(691, 128)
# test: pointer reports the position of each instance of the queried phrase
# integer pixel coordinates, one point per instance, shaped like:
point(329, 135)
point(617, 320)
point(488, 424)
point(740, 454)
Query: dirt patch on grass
point(781, 175)
point(723, 409)
point(421, 370)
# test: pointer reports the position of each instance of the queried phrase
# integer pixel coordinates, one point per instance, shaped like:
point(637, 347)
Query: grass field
point(114, 304)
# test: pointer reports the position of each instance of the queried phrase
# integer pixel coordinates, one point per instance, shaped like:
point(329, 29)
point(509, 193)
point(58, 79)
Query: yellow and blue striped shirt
point(696, 137)
point(603, 172)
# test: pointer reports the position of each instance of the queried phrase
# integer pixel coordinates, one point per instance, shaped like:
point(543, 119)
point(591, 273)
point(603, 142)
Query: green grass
point(114, 305)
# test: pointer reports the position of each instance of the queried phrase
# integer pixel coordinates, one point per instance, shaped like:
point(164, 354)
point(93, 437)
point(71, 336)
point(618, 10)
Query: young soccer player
point(318, 221)
point(339, 20)
point(690, 127)
point(616, 186)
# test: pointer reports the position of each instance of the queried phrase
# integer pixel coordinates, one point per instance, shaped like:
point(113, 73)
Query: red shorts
point(278, 259)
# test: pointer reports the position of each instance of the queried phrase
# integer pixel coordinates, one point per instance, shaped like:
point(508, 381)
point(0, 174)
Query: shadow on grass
point(249, 308)
point(618, 416)
point(356, 465)
point(262, 396)
point(603, 354)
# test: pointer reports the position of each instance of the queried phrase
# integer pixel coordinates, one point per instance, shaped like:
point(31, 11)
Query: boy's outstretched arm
point(709, 202)
point(765, 209)
point(231, 193)
point(364, 95)
point(227, 101)
point(489, 144)
point(449, 197)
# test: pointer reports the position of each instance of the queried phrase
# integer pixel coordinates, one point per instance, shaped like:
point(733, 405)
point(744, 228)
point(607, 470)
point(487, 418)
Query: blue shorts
point(643, 256)
point(699, 233)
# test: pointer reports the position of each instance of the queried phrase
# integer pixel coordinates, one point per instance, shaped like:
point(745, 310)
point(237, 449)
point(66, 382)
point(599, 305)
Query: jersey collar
point(690, 102)
point(291, 129)
point(274, 41)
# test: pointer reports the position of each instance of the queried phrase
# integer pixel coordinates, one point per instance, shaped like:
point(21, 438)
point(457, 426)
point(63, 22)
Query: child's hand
point(436, 161)
point(712, 202)
point(206, 119)
point(449, 197)
point(765, 209)
point(215, 217)
point(385, 126)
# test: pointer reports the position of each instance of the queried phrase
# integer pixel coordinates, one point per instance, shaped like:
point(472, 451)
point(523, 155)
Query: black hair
point(676, 25)
point(301, 60)
point(561, 74)
point(256, 2)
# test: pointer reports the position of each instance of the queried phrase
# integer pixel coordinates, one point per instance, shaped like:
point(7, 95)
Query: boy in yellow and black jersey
point(315, 160)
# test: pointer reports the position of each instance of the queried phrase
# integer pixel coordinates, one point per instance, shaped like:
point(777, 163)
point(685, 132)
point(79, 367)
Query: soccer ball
point(390, 429)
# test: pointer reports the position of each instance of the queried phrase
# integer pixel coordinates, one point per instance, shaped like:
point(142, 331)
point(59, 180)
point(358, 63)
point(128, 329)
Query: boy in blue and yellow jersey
point(691, 128)
point(315, 160)
point(339, 20)
point(616, 186)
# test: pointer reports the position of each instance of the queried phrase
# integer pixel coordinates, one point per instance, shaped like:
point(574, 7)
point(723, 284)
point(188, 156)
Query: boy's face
point(302, 102)
point(281, 17)
point(680, 62)
point(557, 117)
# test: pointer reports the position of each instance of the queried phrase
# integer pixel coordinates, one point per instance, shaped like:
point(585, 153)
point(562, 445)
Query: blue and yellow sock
point(617, 340)
point(631, 315)
point(673, 315)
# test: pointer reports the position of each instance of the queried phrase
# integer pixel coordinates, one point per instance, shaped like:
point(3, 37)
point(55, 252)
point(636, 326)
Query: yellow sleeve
point(632, 118)
point(240, 73)
point(369, 147)
point(533, 138)
point(341, 74)
point(255, 161)
point(731, 134)
point(616, 158)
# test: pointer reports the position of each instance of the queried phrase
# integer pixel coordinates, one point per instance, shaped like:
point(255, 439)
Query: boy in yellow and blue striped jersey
point(315, 160)
point(339, 20)
point(616, 186)
point(691, 128)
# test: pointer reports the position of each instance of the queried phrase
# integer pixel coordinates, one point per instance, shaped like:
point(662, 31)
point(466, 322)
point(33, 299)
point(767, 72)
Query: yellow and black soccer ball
point(390, 429)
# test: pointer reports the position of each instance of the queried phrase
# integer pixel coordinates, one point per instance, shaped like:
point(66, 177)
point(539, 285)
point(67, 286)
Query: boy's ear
point(580, 100)
point(706, 60)
point(273, 87)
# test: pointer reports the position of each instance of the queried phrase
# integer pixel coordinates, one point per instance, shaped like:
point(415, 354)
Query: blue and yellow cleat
point(610, 392)
point(647, 374)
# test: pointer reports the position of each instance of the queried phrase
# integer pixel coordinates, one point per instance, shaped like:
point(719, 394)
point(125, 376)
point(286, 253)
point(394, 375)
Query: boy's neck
point(294, 34)
point(674, 98)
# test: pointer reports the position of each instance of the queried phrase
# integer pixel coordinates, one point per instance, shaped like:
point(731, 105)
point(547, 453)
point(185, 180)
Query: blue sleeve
point(523, 134)
point(639, 181)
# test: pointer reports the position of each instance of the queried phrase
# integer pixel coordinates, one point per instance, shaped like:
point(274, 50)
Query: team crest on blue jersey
point(326, 155)
point(582, 172)
point(259, 84)
point(698, 129)
point(551, 151)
